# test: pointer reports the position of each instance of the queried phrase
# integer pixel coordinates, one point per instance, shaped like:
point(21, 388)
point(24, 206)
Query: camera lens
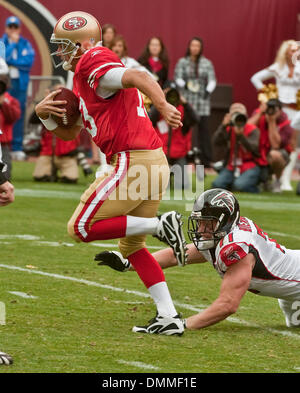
point(172, 97)
point(271, 110)
point(239, 119)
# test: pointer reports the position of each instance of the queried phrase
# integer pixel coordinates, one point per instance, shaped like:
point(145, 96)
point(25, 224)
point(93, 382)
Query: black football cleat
point(167, 326)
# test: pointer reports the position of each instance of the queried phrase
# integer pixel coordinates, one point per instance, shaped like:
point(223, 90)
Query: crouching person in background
point(276, 138)
point(240, 172)
point(57, 160)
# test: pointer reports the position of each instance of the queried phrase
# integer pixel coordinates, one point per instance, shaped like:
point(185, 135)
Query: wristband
point(49, 123)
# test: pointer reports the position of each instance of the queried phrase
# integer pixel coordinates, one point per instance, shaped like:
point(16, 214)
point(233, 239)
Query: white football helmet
point(72, 31)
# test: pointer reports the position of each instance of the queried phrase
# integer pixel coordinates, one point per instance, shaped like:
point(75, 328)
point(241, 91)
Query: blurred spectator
point(56, 155)
point(275, 138)
point(155, 58)
point(119, 46)
point(176, 142)
point(286, 71)
point(19, 57)
point(32, 136)
point(240, 172)
point(10, 112)
point(195, 76)
point(108, 34)
point(6, 188)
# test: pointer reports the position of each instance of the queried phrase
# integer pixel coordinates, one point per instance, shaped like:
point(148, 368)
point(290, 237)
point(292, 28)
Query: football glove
point(114, 260)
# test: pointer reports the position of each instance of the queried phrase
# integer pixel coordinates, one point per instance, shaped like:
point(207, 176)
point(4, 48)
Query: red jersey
point(118, 123)
point(10, 112)
point(180, 143)
point(50, 144)
point(245, 159)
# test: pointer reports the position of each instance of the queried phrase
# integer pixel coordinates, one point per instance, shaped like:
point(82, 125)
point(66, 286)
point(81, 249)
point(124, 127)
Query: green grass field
point(79, 316)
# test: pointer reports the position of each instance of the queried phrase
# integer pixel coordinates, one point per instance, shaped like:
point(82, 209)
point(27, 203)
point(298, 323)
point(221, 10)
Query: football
point(72, 108)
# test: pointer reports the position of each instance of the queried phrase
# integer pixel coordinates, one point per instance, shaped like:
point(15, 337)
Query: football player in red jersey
point(113, 112)
point(242, 254)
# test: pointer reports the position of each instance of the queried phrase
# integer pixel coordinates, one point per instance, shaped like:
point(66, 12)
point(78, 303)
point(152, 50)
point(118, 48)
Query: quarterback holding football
point(112, 111)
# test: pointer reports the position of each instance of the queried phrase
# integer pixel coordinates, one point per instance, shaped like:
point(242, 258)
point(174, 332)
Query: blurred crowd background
point(231, 67)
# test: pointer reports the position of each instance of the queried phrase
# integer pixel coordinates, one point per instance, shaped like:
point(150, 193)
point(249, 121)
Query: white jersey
point(276, 272)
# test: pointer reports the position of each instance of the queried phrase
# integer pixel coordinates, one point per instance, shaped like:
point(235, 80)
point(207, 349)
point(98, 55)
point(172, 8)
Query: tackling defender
point(113, 113)
point(241, 252)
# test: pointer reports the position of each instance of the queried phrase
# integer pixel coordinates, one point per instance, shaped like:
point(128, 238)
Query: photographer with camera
point(285, 70)
point(276, 136)
point(10, 112)
point(240, 171)
point(176, 141)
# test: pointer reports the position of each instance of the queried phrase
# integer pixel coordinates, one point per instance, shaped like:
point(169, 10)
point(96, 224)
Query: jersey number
point(265, 236)
point(140, 109)
point(92, 129)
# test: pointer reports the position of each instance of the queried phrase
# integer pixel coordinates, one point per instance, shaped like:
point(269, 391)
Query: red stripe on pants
point(77, 228)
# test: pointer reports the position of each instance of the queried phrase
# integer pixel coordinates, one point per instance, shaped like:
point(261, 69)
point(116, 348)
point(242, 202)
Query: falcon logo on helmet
point(216, 212)
point(224, 199)
point(74, 23)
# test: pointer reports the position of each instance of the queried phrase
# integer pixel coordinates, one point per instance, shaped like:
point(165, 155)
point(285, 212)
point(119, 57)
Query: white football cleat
point(170, 231)
point(5, 359)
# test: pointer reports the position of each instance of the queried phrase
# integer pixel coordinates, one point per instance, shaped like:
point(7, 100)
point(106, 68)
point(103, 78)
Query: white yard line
point(138, 364)
point(22, 237)
point(38, 242)
point(144, 295)
point(262, 203)
point(23, 294)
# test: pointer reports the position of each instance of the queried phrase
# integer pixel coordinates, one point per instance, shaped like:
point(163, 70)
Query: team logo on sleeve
point(224, 199)
point(234, 256)
point(75, 23)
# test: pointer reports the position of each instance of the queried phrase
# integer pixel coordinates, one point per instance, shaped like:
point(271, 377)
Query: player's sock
point(152, 276)
point(110, 228)
point(141, 225)
point(162, 298)
point(122, 226)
